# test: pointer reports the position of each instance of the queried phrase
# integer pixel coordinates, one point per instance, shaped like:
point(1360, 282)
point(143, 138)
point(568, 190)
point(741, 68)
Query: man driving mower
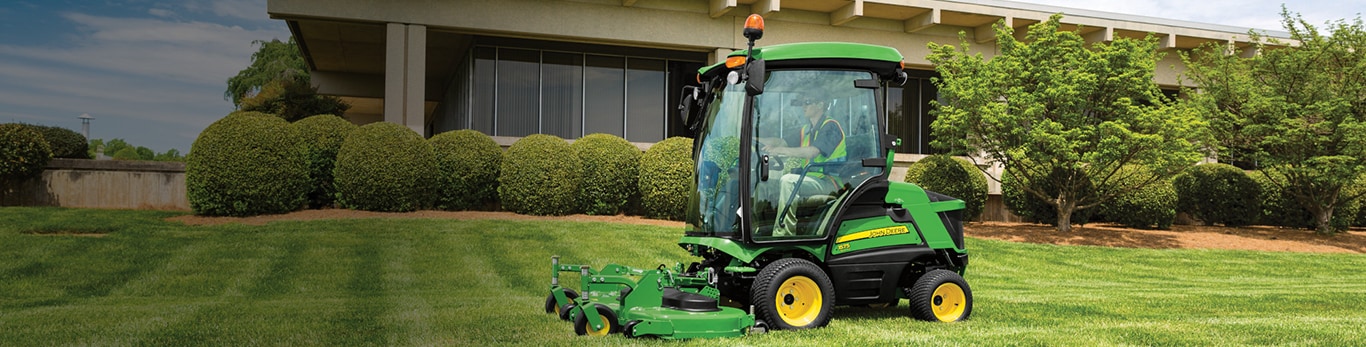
point(820, 140)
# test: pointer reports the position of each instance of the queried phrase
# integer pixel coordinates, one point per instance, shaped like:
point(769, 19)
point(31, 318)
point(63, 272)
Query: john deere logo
point(868, 234)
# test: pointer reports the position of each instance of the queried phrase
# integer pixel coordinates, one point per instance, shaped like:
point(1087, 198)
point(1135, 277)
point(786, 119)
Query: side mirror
point(685, 106)
point(754, 81)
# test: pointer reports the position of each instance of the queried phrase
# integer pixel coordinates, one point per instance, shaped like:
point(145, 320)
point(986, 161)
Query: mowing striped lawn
point(98, 277)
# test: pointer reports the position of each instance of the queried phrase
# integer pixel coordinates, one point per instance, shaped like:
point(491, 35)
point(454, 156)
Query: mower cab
point(791, 211)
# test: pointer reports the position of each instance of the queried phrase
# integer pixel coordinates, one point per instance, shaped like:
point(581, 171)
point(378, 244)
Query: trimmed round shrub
point(65, 143)
point(467, 162)
point(323, 135)
point(246, 164)
point(1032, 208)
point(23, 152)
point(540, 176)
point(611, 166)
point(666, 174)
point(385, 167)
point(1152, 206)
point(127, 153)
point(954, 177)
point(1218, 194)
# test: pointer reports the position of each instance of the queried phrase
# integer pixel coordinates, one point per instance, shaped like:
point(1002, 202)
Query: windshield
point(715, 199)
point(812, 128)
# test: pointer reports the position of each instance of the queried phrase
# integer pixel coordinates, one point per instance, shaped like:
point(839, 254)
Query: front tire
point(793, 294)
point(609, 322)
point(940, 296)
point(552, 307)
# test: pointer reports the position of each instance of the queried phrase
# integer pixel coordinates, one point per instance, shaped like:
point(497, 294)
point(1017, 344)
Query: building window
point(545, 88)
point(908, 115)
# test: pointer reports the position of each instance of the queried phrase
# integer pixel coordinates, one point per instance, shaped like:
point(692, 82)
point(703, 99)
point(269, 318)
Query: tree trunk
point(1065, 208)
point(1323, 221)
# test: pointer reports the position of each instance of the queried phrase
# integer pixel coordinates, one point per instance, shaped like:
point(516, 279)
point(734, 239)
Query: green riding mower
point(791, 212)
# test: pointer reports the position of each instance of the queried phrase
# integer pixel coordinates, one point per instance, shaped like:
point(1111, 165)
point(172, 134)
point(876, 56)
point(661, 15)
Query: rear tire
point(793, 294)
point(610, 324)
point(940, 296)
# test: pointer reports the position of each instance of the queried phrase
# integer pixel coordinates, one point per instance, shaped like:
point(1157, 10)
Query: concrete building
point(510, 68)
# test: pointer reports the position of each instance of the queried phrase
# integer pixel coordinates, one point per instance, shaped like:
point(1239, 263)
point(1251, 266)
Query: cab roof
point(880, 59)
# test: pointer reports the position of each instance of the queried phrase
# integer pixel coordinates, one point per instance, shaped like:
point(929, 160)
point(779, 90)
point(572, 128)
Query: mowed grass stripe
point(476, 283)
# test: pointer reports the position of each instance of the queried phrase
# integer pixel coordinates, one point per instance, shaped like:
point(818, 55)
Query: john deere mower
point(791, 212)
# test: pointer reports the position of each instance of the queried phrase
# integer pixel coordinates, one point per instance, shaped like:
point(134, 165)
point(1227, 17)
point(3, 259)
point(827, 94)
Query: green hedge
point(611, 166)
point(385, 167)
point(246, 164)
point(467, 163)
point(23, 152)
point(65, 143)
point(1280, 208)
point(540, 175)
point(1032, 208)
point(1152, 206)
point(954, 177)
point(666, 175)
point(323, 135)
point(1218, 194)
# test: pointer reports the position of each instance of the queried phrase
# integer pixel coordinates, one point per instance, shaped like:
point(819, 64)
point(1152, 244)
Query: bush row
point(251, 163)
point(1209, 193)
point(953, 177)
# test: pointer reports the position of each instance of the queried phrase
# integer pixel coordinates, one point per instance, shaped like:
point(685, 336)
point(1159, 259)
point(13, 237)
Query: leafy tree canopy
point(1064, 114)
point(277, 82)
point(275, 60)
point(1296, 109)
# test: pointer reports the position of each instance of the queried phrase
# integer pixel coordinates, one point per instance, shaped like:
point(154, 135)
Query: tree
point(1062, 117)
point(1298, 111)
point(277, 82)
point(112, 147)
point(170, 155)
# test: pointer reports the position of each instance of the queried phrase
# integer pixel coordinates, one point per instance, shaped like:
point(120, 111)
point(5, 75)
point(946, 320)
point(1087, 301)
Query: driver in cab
point(820, 140)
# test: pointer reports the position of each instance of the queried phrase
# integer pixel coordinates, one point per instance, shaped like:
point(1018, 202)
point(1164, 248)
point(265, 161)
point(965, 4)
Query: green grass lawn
point(477, 283)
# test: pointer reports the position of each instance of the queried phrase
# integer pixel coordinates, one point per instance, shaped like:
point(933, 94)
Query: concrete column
point(415, 74)
point(405, 72)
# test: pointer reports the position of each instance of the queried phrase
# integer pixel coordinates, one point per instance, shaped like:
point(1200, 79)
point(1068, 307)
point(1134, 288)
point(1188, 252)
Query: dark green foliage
point(666, 174)
point(385, 167)
point(1151, 206)
point(65, 143)
point(145, 153)
point(540, 175)
point(23, 153)
point(293, 99)
point(611, 166)
point(246, 164)
point(1033, 208)
point(1218, 194)
point(322, 137)
point(468, 163)
point(127, 153)
point(1280, 208)
point(954, 177)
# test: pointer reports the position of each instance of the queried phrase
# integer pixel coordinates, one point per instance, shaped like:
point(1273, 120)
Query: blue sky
point(153, 72)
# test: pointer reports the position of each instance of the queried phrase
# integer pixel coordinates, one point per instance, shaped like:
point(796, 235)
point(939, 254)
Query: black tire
point(793, 294)
point(566, 310)
point(940, 296)
point(612, 327)
point(629, 330)
point(550, 306)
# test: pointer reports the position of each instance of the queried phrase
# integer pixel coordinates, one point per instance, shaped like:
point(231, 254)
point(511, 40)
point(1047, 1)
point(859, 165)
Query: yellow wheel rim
point(606, 327)
point(948, 302)
point(799, 301)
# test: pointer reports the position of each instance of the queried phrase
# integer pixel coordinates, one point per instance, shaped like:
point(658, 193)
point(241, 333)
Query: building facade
point(570, 68)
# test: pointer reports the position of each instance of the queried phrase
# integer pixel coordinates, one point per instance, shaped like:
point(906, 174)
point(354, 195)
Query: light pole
point(85, 125)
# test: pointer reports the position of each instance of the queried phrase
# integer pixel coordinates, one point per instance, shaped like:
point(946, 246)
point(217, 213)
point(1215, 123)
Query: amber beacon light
point(754, 27)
